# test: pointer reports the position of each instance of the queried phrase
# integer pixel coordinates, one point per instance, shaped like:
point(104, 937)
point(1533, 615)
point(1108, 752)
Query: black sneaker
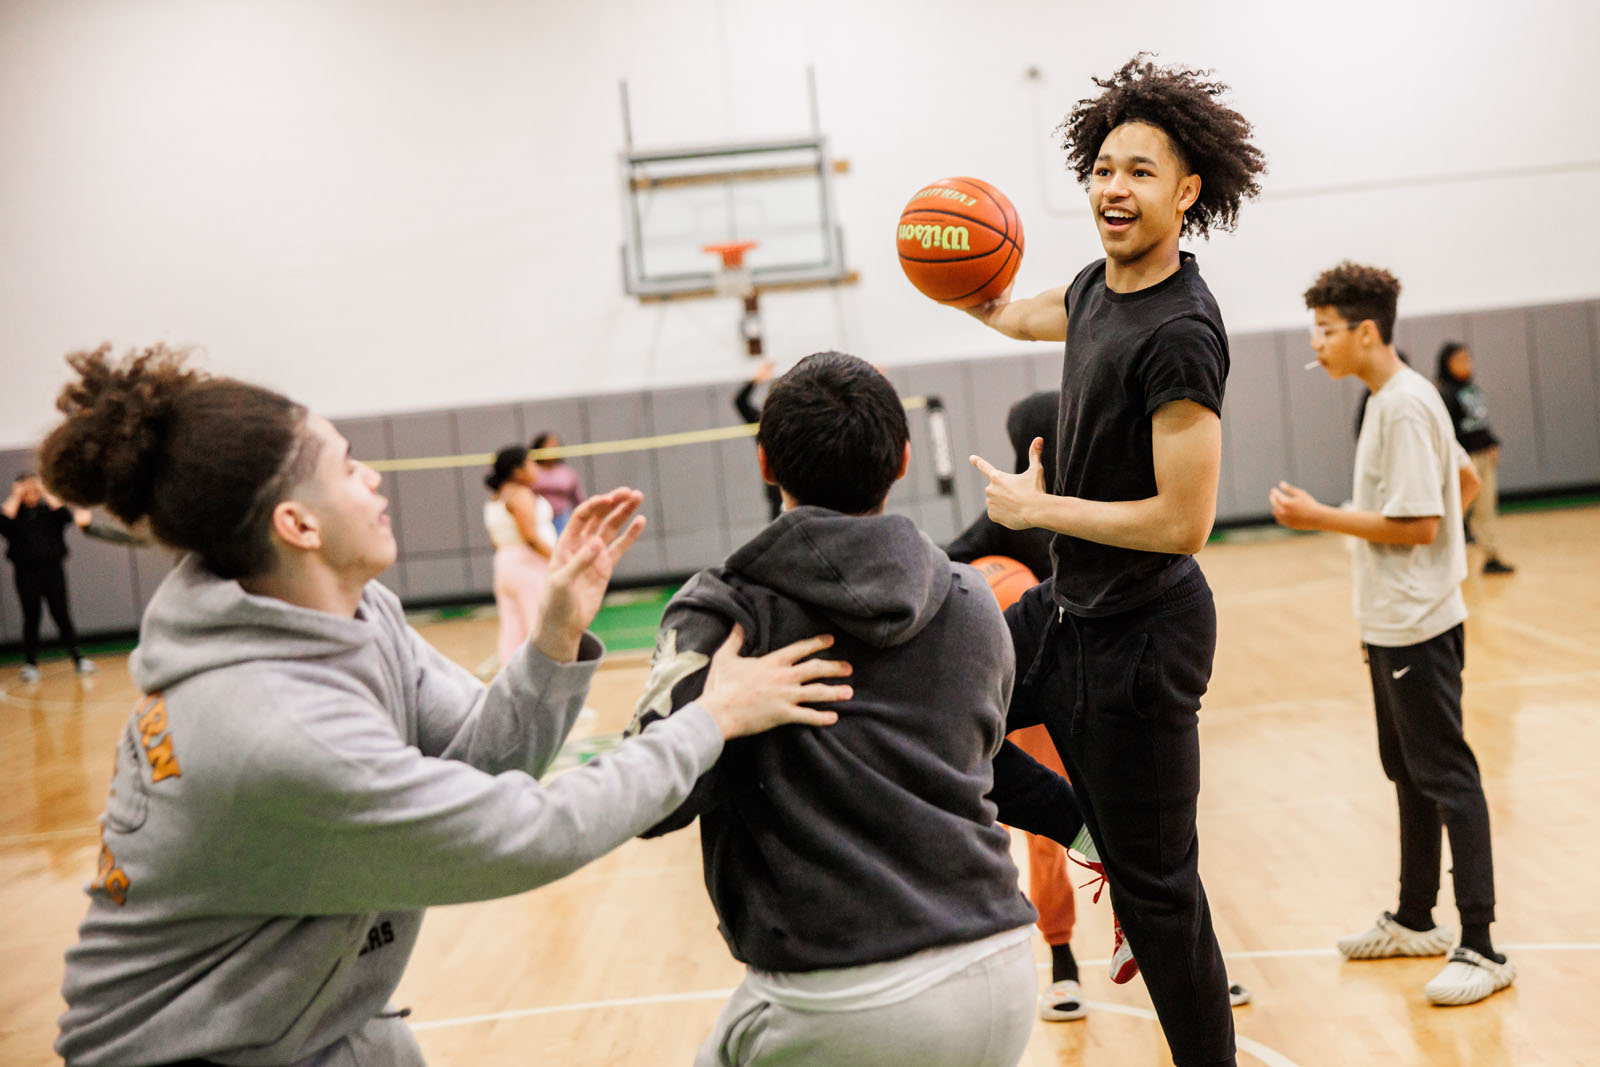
point(1494, 566)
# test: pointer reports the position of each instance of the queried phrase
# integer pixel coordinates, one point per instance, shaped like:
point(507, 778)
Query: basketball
point(960, 241)
point(1007, 578)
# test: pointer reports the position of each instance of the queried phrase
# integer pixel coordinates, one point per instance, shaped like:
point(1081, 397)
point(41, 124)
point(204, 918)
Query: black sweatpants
point(1120, 696)
point(1416, 690)
point(46, 582)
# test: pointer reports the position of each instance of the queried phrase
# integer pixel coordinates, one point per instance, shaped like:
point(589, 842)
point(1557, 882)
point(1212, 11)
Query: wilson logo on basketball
point(954, 238)
point(948, 194)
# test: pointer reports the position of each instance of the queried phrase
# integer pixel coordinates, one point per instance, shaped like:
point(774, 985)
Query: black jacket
point(36, 535)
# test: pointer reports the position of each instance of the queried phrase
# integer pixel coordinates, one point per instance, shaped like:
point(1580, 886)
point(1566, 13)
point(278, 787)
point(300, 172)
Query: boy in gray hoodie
point(306, 774)
point(859, 872)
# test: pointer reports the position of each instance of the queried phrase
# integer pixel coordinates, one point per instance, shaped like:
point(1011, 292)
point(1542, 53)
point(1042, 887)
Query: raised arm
point(1186, 446)
point(524, 509)
point(1414, 476)
point(1037, 318)
point(1299, 510)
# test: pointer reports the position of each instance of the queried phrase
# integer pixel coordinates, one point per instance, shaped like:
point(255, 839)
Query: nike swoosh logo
point(1401, 673)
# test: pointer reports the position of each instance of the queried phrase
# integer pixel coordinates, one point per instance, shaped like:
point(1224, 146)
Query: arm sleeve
point(1032, 797)
point(517, 723)
point(677, 678)
point(348, 818)
point(1412, 486)
point(1184, 361)
point(744, 403)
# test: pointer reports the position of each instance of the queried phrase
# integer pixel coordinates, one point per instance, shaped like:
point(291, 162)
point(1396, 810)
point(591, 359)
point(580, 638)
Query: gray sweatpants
point(980, 1016)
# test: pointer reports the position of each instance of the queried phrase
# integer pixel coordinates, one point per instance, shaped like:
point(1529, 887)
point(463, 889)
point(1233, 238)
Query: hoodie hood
point(198, 622)
point(875, 577)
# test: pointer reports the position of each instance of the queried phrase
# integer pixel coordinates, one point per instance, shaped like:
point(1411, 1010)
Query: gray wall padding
point(1539, 366)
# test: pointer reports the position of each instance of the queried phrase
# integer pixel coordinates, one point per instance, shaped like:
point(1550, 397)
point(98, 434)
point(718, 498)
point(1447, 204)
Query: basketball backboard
point(776, 193)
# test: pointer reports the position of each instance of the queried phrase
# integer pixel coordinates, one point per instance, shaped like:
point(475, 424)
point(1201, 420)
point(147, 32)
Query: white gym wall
point(387, 206)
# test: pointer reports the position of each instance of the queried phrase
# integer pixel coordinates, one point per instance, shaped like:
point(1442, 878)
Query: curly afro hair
point(1358, 293)
point(1211, 139)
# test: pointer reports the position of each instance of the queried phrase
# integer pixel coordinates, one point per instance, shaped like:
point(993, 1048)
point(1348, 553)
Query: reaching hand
point(1293, 507)
point(1010, 495)
point(988, 309)
point(599, 534)
point(749, 694)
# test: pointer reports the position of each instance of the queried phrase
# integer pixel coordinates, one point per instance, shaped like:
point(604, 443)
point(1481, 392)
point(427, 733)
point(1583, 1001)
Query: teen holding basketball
point(1114, 652)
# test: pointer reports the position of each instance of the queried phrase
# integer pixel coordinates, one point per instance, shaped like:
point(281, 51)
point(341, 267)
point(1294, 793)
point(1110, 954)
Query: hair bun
point(112, 445)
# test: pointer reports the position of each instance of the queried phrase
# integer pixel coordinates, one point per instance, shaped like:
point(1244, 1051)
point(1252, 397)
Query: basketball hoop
point(733, 277)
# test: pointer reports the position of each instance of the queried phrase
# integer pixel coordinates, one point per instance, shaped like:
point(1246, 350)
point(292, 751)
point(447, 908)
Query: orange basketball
point(1007, 578)
point(960, 241)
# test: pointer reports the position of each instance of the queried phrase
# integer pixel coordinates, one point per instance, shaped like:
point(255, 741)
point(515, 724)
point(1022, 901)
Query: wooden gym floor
point(621, 963)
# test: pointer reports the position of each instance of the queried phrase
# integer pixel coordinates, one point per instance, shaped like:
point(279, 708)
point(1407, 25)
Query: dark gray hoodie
point(296, 789)
point(873, 838)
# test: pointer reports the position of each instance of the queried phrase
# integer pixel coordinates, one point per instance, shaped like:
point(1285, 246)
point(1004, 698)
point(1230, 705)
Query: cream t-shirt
point(1406, 467)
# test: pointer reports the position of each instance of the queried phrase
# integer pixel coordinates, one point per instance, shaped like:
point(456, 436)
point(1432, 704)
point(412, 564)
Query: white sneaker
point(85, 667)
point(1468, 978)
point(1388, 938)
point(1238, 995)
point(1062, 1001)
point(30, 674)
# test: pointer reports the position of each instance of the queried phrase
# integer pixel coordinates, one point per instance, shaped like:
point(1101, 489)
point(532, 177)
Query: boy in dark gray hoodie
point(859, 872)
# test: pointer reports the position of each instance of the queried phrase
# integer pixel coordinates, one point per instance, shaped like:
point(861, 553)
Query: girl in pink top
point(557, 482)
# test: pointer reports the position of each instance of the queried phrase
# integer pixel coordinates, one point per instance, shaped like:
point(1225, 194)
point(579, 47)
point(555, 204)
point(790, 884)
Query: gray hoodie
point(875, 837)
point(294, 791)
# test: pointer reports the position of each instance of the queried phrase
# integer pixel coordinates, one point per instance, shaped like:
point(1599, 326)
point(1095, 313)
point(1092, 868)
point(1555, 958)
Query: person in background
point(1410, 482)
point(1469, 414)
point(744, 402)
point(33, 523)
point(556, 481)
point(522, 528)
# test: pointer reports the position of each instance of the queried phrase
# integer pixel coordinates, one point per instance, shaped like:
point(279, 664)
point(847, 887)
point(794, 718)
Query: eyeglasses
point(1319, 332)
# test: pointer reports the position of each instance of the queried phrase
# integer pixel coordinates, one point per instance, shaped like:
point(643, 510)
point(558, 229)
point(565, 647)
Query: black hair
point(541, 440)
point(1442, 373)
point(204, 459)
point(1358, 293)
point(507, 461)
point(1210, 138)
point(24, 476)
point(834, 431)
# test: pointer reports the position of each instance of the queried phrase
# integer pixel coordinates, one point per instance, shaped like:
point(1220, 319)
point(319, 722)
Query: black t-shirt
point(1127, 355)
point(35, 535)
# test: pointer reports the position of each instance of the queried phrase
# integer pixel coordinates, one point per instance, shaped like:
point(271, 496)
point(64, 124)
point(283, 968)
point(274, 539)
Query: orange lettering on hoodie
point(152, 722)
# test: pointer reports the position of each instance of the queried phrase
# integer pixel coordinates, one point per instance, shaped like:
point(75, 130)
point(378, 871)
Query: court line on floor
point(1269, 1056)
point(50, 835)
point(1260, 1051)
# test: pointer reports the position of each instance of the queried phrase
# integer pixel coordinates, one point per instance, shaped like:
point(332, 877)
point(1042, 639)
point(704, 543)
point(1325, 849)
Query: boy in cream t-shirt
point(1410, 558)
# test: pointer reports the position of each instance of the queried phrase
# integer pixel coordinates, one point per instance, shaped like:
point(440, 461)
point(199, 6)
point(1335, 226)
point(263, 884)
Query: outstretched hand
point(1011, 496)
point(598, 535)
point(1293, 507)
point(749, 694)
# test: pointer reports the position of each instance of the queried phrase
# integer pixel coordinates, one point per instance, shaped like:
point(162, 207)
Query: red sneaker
point(1123, 965)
